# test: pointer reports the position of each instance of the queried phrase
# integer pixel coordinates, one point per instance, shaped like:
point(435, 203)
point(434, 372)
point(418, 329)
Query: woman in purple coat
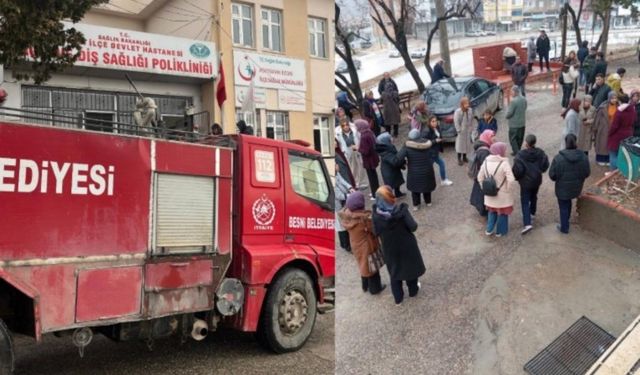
point(370, 159)
point(621, 128)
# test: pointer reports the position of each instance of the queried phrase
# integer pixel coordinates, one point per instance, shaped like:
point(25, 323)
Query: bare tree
point(343, 49)
point(458, 9)
point(392, 19)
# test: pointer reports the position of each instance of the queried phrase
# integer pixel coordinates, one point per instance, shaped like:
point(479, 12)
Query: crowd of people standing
point(599, 120)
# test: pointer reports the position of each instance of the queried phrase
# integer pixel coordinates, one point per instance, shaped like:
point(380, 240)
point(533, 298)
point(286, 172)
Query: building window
point(272, 29)
point(322, 134)
point(278, 125)
point(317, 35)
point(251, 119)
point(242, 20)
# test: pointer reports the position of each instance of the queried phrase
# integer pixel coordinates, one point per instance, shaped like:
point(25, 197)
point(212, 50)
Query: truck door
point(309, 200)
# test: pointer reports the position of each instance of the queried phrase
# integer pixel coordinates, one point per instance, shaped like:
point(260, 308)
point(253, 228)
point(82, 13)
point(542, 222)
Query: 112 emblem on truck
point(142, 238)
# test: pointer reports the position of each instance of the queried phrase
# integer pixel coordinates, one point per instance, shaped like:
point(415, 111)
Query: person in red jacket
point(370, 159)
point(621, 128)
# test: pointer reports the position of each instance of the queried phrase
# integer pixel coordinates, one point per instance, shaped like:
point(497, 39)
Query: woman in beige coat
point(463, 121)
point(501, 205)
point(587, 116)
point(357, 221)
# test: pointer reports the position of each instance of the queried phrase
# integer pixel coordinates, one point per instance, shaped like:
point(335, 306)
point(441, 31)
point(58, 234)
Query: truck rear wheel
point(6, 350)
point(289, 312)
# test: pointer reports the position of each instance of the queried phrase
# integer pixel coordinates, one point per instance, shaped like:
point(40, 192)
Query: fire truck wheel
point(289, 312)
point(6, 350)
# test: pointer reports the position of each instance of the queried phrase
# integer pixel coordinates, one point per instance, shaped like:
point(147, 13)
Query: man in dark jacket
point(383, 83)
point(519, 74)
point(569, 169)
point(600, 91)
point(542, 47)
point(599, 67)
point(583, 52)
point(529, 165)
point(587, 67)
point(438, 72)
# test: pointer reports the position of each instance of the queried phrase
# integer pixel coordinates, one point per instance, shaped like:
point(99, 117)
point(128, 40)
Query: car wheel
point(6, 350)
point(289, 312)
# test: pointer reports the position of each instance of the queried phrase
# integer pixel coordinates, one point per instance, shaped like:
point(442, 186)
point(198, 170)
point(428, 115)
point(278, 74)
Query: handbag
point(375, 259)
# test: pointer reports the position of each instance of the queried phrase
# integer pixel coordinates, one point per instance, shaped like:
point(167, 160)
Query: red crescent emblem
point(246, 77)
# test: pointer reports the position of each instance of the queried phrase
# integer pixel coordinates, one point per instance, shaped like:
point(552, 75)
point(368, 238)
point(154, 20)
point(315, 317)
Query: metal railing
point(84, 122)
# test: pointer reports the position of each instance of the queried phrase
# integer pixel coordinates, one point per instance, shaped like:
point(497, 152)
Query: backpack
point(489, 186)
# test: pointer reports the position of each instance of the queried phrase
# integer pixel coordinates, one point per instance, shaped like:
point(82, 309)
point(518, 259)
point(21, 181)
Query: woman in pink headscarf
point(481, 151)
point(500, 205)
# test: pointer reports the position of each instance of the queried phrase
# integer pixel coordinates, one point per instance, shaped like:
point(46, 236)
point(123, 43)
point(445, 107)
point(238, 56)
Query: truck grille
point(573, 352)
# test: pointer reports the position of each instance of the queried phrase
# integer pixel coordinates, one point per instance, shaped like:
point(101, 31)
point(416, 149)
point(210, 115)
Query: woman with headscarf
point(420, 116)
point(621, 128)
point(567, 79)
point(367, 149)
point(421, 179)
point(481, 147)
point(463, 122)
point(391, 174)
point(390, 108)
point(395, 226)
point(348, 139)
point(499, 206)
point(587, 116)
point(601, 124)
point(363, 240)
point(345, 185)
point(371, 112)
point(571, 120)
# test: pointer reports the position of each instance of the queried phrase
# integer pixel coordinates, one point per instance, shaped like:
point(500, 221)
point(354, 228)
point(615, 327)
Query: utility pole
point(563, 49)
point(497, 18)
point(443, 38)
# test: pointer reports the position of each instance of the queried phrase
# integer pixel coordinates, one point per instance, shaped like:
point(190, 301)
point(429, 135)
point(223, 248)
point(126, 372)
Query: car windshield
point(442, 94)
point(342, 65)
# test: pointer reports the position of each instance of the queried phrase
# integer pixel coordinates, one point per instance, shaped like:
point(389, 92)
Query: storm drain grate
point(573, 352)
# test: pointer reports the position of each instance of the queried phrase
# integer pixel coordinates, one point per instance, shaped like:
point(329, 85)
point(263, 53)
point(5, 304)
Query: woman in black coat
point(569, 169)
point(391, 174)
point(395, 226)
point(421, 178)
point(481, 150)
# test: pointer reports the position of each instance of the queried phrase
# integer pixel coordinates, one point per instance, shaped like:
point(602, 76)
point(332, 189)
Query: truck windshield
point(308, 177)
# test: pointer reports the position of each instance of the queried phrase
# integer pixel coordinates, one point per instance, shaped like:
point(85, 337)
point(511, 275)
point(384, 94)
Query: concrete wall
point(609, 223)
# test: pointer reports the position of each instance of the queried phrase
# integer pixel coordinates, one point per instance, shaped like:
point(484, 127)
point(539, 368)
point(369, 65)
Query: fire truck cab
point(137, 237)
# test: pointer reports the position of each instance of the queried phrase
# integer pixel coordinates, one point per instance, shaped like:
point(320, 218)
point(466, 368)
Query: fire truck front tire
point(6, 350)
point(289, 312)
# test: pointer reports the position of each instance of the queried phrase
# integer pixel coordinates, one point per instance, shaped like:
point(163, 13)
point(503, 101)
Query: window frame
point(329, 203)
point(317, 121)
point(285, 126)
point(241, 18)
point(269, 24)
point(315, 31)
point(255, 123)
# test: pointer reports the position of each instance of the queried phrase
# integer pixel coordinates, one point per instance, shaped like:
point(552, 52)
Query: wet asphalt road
point(222, 352)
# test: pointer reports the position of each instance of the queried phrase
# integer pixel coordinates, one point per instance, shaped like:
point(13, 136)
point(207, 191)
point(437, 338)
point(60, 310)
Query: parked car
point(418, 53)
point(474, 33)
point(394, 53)
point(490, 32)
point(443, 98)
point(365, 44)
point(342, 66)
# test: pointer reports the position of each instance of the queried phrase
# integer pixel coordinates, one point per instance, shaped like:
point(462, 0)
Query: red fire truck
point(140, 238)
